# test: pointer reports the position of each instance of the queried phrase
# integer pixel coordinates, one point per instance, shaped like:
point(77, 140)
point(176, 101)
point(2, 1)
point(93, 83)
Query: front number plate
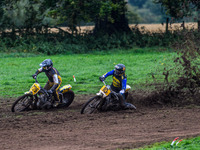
point(105, 90)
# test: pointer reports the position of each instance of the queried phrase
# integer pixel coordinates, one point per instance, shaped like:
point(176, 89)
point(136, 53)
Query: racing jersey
point(52, 74)
point(119, 82)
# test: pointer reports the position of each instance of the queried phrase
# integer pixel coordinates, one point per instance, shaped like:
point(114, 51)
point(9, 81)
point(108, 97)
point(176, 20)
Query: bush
point(184, 87)
point(52, 43)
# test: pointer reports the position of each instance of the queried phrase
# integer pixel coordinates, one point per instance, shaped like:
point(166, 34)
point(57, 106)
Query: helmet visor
point(119, 72)
point(43, 64)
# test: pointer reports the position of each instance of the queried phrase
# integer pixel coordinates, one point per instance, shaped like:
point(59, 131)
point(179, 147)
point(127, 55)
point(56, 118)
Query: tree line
point(178, 9)
point(25, 25)
point(36, 16)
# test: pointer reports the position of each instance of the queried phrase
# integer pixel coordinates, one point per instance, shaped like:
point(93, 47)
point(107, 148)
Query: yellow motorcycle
point(105, 100)
point(38, 98)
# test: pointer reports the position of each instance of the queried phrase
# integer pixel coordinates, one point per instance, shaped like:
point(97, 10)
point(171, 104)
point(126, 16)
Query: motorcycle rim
point(22, 103)
point(91, 105)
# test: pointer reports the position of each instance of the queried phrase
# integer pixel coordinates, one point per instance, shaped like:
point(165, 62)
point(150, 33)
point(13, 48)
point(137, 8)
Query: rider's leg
point(44, 103)
point(56, 95)
point(123, 102)
point(126, 95)
point(48, 85)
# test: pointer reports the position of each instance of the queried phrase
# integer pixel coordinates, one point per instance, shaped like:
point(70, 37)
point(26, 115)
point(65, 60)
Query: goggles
point(120, 72)
point(44, 68)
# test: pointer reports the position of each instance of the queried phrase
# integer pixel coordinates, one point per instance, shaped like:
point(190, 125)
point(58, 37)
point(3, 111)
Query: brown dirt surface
point(67, 129)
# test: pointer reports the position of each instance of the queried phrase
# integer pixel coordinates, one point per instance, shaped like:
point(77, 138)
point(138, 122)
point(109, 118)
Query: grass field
point(187, 144)
point(140, 65)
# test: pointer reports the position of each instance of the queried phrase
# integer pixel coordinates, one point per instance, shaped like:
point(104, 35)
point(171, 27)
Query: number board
point(105, 90)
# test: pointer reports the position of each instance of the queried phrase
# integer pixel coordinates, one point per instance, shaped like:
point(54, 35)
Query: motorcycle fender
point(102, 94)
point(99, 94)
point(28, 92)
point(65, 88)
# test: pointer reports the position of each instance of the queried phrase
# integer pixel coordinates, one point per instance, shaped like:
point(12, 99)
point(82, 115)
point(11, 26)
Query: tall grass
point(15, 73)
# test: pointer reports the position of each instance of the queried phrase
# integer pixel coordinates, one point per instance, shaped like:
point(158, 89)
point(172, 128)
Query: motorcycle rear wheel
point(22, 103)
point(68, 98)
point(91, 105)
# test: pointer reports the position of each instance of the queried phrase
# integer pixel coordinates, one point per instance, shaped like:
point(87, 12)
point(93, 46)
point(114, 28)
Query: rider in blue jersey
point(119, 83)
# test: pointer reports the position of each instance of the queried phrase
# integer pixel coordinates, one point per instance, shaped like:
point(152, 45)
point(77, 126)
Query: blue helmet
point(120, 69)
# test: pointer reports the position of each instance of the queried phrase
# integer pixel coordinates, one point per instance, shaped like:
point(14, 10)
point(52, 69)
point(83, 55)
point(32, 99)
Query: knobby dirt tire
point(69, 97)
point(22, 103)
point(91, 105)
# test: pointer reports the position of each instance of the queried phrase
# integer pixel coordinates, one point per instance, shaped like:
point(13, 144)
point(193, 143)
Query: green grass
point(186, 144)
point(16, 70)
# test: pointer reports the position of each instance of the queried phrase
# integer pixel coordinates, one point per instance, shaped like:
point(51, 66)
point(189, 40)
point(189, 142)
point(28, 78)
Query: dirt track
point(69, 130)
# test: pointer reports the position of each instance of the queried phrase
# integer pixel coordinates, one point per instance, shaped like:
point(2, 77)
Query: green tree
point(175, 8)
point(27, 16)
point(112, 17)
point(196, 4)
point(107, 15)
point(180, 8)
point(132, 16)
point(72, 12)
point(138, 3)
point(147, 11)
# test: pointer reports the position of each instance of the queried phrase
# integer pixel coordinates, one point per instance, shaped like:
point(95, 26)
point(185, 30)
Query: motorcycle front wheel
point(22, 103)
point(91, 105)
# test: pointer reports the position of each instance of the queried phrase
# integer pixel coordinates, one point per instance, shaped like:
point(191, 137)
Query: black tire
point(91, 105)
point(68, 97)
point(22, 103)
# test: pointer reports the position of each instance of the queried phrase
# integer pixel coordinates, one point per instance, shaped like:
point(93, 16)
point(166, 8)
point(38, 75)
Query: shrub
point(184, 87)
point(57, 43)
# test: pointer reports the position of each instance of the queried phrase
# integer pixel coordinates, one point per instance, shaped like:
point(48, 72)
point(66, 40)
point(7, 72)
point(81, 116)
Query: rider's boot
point(122, 101)
point(124, 104)
point(129, 106)
point(57, 100)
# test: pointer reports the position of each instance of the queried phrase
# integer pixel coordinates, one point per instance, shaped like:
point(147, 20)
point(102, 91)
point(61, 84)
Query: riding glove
point(34, 76)
point(122, 91)
point(102, 78)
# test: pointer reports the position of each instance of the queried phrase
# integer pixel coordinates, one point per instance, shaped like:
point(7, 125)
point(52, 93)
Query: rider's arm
point(108, 73)
point(103, 77)
point(124, 83)
point(38, 71)
point(124, 80)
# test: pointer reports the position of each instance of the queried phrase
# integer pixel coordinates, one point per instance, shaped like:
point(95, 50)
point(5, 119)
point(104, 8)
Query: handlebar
point(36, 79)
point(104, 83)
point(108, 86)
point(44, 90)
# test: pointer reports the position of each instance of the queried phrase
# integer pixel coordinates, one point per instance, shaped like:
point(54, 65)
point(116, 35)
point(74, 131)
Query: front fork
point(34, 100)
